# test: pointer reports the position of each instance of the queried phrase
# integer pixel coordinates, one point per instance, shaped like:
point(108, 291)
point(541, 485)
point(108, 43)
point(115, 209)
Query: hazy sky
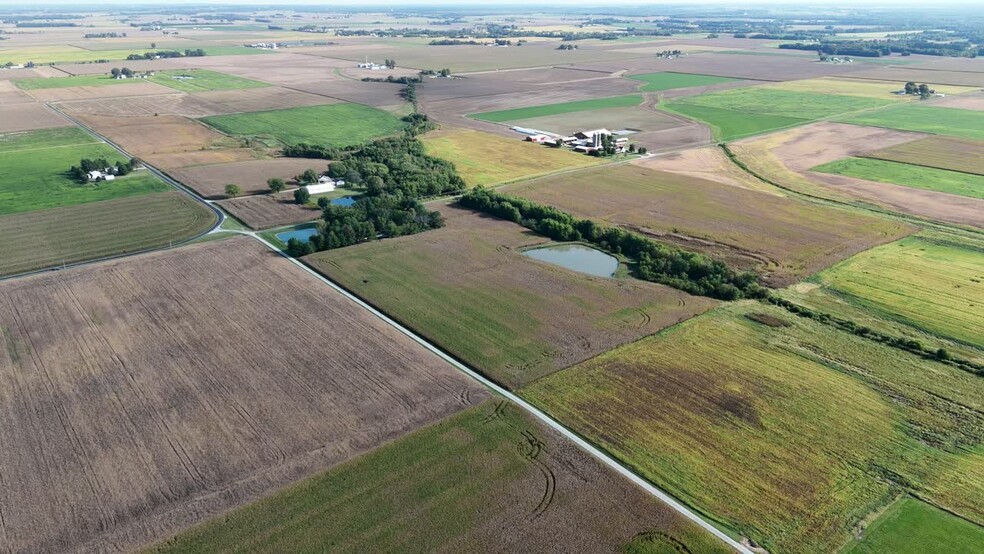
point(382, 4)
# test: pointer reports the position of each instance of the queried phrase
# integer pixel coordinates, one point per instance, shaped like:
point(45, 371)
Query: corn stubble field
point(148, 394)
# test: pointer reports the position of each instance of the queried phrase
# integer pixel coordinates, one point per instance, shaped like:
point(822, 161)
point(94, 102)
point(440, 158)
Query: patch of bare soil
point(25, 117)
point(251, 176)
point(265, 210)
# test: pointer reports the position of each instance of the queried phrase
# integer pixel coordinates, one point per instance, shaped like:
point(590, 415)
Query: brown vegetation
point(250, 176)
point(951, 153)
point(265, 211)
point(145, 395)
point(25, 117)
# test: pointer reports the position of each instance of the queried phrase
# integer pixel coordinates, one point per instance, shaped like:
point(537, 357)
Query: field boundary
point(594, 451)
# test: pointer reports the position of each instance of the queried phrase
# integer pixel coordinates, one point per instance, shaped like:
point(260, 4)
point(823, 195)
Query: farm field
point(930, 178)
point(502, 116)
point(667, 80)
point(454, 486)
point(263, 211)
point(487, 159)
point(941, 152)
point(160, 413)
point(15, 118)
point(706, 410)
point(42, 83)
point(34, 171)
point(515, 319)
point(342, 124)
point(783, 239)
point(639, 118)
point(787, 157)
point(201, 80)
point(925, 119)
point(250, 176)
point(860, 87)
point(932, 285)
point(912, 527)
point(48, 238)
point(69, 54)
point(742, 112)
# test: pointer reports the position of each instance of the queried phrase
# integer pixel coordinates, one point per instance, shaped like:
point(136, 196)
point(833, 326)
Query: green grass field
point(926, 119)
point(40, 83)
point(451, 487)
point(913, 527)
point(898, 173)
point(35, 240)
point(503, 116)
point(667, 80)
point(933, 285)
point(203, 80)
point(34, 171)
point(487, 159)
point(342, 124)
point(748, 111)
point(790, 432)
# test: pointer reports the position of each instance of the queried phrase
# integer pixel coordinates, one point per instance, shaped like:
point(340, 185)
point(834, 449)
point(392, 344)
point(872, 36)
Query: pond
point(299, 234)
point(576, 257)
point(345, 201)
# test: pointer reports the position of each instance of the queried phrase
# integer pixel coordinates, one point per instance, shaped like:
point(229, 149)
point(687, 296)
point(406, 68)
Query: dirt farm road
point(529, 408)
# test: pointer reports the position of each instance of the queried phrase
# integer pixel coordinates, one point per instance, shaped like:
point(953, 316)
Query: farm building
point(325, 184)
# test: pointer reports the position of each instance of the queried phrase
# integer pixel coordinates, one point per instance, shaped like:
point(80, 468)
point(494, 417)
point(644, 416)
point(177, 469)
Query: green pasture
point(201, 80)
point(926, 119)
point(668, 80)
point(898, 173)
point(913, 527)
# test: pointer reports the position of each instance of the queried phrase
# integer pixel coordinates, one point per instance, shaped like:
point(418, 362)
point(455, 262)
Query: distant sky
point(581, 4)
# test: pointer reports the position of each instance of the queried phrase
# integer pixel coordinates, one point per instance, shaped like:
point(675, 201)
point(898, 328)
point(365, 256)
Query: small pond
point(345, 201)
point(299, 234)
point(576, 257)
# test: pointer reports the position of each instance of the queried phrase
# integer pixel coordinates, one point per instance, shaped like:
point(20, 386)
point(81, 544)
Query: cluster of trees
point(922, 90)
point(669, 54)
point(888, 46)
point(910, 345)
point(454, 42)
point(390, 64)
point(104, 35)
point(567, 47)
point(189, 53)
point(81, 172)
point(368, 219)
point(657, 262)
point(116, 72)
point(404, 80)
point(38, 24)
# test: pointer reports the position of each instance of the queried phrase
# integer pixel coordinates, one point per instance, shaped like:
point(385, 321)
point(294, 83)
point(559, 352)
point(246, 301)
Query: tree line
point(188, 53)
point(86, 165)
point(654, 261)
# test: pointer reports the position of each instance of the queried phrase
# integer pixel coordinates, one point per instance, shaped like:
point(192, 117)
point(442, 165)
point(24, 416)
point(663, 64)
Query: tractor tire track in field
point(531, 450)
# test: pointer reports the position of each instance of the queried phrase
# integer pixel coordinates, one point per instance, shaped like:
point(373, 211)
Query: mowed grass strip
point(201, 80)
point(897, 173)
point(744, 112)
point(487, 159)
point(342, 124)
point(452, 486)
point(668, 80)
point(913, 527)
point(34, 172)
point(951, 153)
point(781, 428)
point(48, 238)
point(933, 285)
point(513, 318)
point(502, 116)
point(953, 122)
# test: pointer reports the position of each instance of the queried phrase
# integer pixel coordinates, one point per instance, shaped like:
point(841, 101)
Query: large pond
point(300, 234)
point(576, 257)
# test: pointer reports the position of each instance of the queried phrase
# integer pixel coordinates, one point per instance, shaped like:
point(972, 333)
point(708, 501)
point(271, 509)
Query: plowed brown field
point(145, 395)
point(251, 176)
point(265, 211)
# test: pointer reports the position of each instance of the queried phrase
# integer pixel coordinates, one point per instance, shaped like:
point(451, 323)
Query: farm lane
point(542, 416)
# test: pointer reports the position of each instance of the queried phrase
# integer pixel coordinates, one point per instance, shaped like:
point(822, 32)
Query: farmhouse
point(325, 184)
point(105, 175)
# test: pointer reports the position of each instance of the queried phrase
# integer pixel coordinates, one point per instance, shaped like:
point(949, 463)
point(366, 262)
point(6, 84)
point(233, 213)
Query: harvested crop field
point(48, 238)
point(783, 239)
point(932, 285)
point(27, 117)
point(341, 124)
point(514, 318)
point(709, 163)
point(941, 152)
point(454, 487)
point(779, 427)
point(965, 102)
point(903, 74)
point(544, 110)
point(173, 160)
point(146, 136)
point(487, 159)
point(260, 99)
point(201, 80)
point(251, 176)
point(787, 157)
point(65, 94)
point(264, 211)
point(897, 173)
point(149, 394)
point(131, 106)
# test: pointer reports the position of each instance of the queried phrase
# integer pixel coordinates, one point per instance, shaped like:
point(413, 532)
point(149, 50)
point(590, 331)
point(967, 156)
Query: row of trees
point(657, 262)
point(189, 53)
